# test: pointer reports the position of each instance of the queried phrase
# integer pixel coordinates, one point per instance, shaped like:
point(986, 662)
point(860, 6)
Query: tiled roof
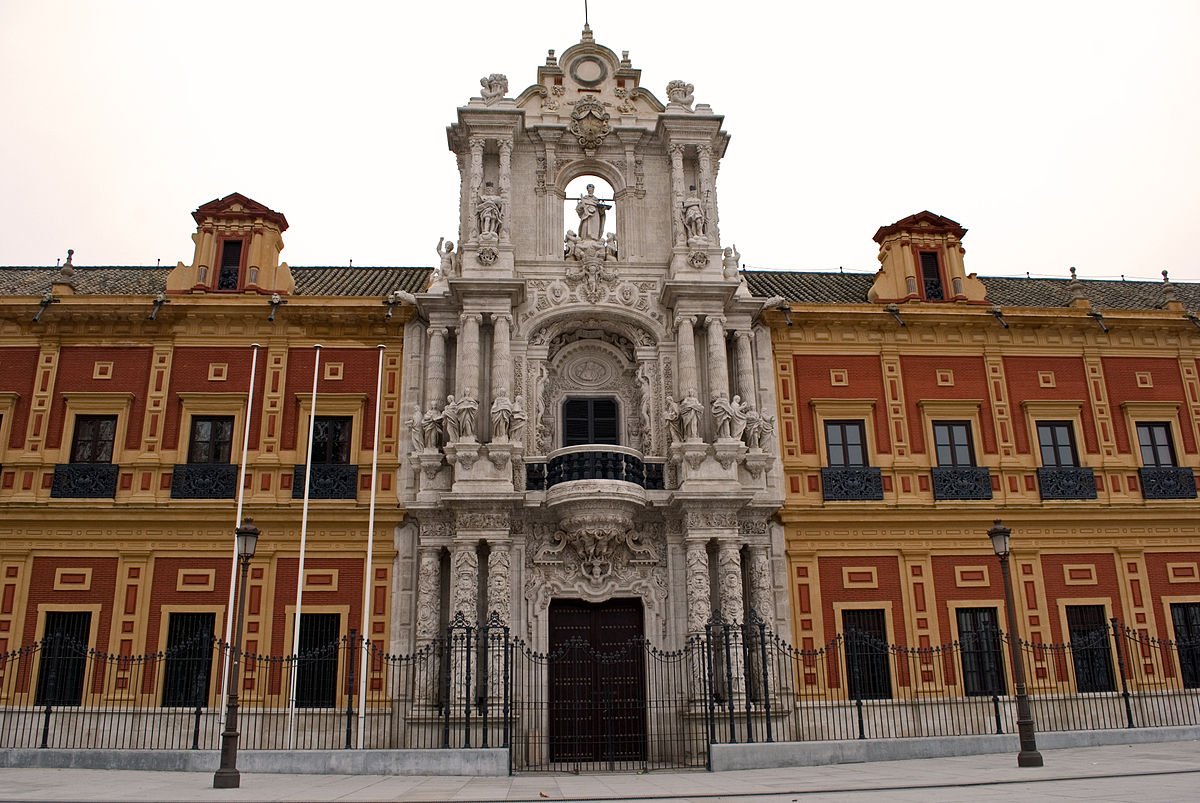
point(807, 287)
point(317, 281)
point(804, 287)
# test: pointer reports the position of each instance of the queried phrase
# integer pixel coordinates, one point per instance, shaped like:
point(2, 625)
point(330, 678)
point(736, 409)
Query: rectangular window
point(64, 658)
point(331, 439)
point(1186, 617)
point(211, 440)
point(868, 675)
point(982, 661)
point(1057, 442)
point(317, 660)
point(845, 444)
point(93, 439)
point(931, 277)
point(1154, 437)
point(188, 659)
point(229, 274)
point(1089, 635)
point(952, 442)
point(590, 421)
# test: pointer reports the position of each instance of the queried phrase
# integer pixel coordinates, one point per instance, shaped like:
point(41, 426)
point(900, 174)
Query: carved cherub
point(679, 93)
point(495, 86)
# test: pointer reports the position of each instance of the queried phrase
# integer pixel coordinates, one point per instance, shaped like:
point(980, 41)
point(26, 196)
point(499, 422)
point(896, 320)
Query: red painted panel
point(970, 382)
point(189, 374)
point(360, 369)
point(1070, 384)
point(865, 375)
point(1120, 375)
point(18, 376)
point(131, 374)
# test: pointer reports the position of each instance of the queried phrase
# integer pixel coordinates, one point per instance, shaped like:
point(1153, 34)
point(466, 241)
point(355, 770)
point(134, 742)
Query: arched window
point(589, 213)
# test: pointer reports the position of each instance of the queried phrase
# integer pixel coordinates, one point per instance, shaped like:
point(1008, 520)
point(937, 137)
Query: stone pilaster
point(718, 362)
point(676, 152)
point(506, 148)
point(429, 593)
point(729, 580)
point(435, 367)
point(708, 194)
point(685, 337)
point(745, 366)
point(476, 144)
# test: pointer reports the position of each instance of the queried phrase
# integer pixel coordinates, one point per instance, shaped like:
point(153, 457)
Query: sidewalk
point(1144, 773)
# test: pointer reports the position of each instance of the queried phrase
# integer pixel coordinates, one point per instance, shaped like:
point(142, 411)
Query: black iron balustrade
point(204, 481)
point(653, 471)
point(966, 482)
point(934, 290)
point(535, 476)
point(1067, 482)
point(1168, 482)
point(840, 484)
point(595, 465)
point(85, 481)
point(329, 481)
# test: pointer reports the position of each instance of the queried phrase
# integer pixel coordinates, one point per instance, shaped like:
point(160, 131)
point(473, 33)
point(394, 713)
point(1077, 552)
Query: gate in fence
point(601, 698)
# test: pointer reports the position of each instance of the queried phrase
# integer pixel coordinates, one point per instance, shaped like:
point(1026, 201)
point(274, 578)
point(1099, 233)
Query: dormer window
point(229, 273)
point(931, 277)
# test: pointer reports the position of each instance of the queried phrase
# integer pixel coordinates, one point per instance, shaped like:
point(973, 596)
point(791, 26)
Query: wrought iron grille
point(841, 484)
point(204, 481)
point(1068, 482)
point(329, 481)
point(1168, 482)
point(84, 481)
point(965, 482)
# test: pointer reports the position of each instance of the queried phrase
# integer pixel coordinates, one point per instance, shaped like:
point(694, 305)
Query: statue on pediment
point(679, 95)
point(495, 87)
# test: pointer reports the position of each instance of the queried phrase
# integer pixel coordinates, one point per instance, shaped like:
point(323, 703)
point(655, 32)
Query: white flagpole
point(312, 421)
point(367, 579)
point(237, 521)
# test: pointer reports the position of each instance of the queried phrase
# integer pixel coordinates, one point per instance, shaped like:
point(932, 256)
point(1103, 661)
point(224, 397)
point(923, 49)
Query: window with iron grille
point(211, 439)
point(931, 277)
point(317, 660)
point(1186, 617)
point(64, 658)
point(188, 659)
point(587, 421)
point(979, 643)
point(952, 442)
point(331, 439)
point(1154, 438)
point(868, 668)
point(1090, 653)
point(93, 439)
point(845, 444)
point(1057, 442)
point(230, 272)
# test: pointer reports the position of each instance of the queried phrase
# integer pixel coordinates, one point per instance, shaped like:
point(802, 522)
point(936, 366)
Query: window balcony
point(1066, 482)
point(204, 481)
point(1168, 482)
point(961, 482)
point(329, 481)
point(851, 483)
point(84, 481)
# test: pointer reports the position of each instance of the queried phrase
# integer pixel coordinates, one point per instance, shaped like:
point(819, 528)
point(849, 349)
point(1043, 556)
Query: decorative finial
point(1169, 296)
point(70, 254)
point(1165, 279)
point(1073, 277)
point(66, 274)
point(551, 61)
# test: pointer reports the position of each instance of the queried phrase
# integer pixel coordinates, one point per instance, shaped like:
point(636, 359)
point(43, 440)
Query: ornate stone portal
point(587, 408)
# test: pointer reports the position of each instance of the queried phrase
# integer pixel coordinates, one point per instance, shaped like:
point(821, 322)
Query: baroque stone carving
point(474, 520)
point(494, 87)
point(679, 95)
point(597, 552)
point(698, 259)
point(590, 123)
point(487, 255)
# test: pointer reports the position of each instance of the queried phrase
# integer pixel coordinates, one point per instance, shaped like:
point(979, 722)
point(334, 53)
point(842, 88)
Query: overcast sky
point(1059, 133)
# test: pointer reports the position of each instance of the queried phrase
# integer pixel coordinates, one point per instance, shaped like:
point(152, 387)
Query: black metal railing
point(851, 483)
point(595, 465)
point(1067, 482)
point(85, 481)
point(538, 472)
point(1168, 482)
point(640, 707)
point(961, 482)
point(204, 481)
point(329, 481)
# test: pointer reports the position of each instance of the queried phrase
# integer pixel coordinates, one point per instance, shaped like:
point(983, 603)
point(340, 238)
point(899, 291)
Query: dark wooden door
point(868, 673)
point(1089, 636)
point(64, 658)
point(597, 681)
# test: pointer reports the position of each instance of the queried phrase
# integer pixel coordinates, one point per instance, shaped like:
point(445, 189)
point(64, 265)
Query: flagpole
point(237, 520)
point(312, 420)
point(367, 579)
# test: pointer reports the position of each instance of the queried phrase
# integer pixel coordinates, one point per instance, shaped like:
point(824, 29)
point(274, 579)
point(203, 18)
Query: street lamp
point(227, 776)
point(1029, 755)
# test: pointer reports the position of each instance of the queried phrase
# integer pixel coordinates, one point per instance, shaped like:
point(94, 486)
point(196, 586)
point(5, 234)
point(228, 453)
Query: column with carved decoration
point(699, 610)
point(708, 195)
point(499, 605)
point(718, 362)
point(506, 147)
point(476, 144)
point(502, 376)
point(435, 367)
point(677, 182)
point(729, 579)
point(762, 602)
point(464, 600)
point(745, 366)
point(429, 600)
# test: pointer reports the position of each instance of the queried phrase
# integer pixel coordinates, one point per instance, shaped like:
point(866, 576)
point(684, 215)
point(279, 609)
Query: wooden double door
point(597, 681)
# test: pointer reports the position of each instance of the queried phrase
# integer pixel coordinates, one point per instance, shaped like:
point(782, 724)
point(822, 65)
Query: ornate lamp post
point(227, 776)
point(1029, 755)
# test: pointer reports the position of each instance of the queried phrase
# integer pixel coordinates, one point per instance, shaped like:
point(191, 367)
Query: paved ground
point(1142, 773)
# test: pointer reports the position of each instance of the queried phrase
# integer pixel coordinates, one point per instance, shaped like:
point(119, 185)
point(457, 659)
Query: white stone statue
point(731, 261)
point(679, 95)
point(693, 218)
point(490, 209)
point(571, 245)
point(689, 411)
point(416, 430)
point(431, 423)
point(738, 416)
point(610, 245)
point(519, 417)
point(447, 260)
point(753, 422)
point(494, 87)
point(466, 410)
point(450, 419)
point(722, 412)
point(502, 411)
point(674, 424)
point(591, 211)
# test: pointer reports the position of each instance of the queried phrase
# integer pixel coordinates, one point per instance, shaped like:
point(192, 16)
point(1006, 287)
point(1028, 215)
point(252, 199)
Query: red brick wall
point(1120, 375)
point(101, 591)
point(163, 592)
point(360, 371)
point(1161, 585)
point(970, 382)
point(131, 374)
point(189, 374)
point(1070, 380)
point(1056, 588)
point(18, 372)
point(889, 589)
point(349, 592)
point(865, 376)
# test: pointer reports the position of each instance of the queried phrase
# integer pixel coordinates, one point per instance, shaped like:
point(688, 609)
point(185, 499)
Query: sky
point(1060, 133)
